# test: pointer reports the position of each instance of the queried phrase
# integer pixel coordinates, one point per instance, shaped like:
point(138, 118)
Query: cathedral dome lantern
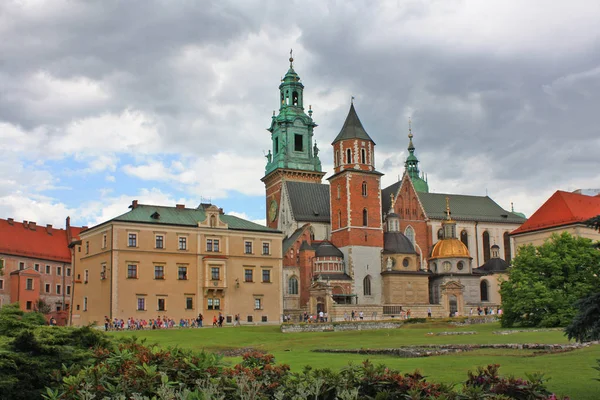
point(411, 165)
point(449, 246)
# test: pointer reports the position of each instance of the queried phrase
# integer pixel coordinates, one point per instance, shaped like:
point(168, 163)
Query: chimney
point(180, 206)
point(11, 221)
point(221, 211)
point(25, 224)
point(49, 229)
point(68, 223)
point(32, 225)
point(134, 204)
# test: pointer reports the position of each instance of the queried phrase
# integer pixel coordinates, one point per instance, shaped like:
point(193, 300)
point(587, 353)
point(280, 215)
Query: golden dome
point(448, 248)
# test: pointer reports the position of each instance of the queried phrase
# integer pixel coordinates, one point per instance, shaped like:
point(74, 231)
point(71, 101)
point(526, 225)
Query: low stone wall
point(340, 326)
point(484, 319)
point(512, 331)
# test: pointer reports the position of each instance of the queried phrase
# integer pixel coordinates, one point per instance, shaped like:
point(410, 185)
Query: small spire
point(411, 146)
point(291, 58)
point(310, 111)
point(448, 208)
point(512, 207)
point(352, 100)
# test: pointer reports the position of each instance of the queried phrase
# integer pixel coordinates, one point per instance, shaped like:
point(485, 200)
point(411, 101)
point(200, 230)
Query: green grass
point(570, 373)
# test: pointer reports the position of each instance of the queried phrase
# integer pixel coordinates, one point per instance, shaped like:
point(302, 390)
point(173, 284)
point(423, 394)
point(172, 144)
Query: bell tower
point(293, 155)
point(355, 193)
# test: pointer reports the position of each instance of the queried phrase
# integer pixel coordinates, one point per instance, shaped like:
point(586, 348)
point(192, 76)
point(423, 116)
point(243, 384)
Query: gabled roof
point(309, 201)
point(562, 208)
point(386, 201)
point(466, 208)
point(494, 264)
point(352, 128)
point(36, 241)
point(290, 240)
point(162, 215)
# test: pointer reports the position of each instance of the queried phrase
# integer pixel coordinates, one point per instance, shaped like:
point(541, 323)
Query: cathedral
point(351, 245)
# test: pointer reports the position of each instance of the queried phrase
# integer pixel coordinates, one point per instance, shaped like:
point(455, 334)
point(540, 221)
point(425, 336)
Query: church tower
point(293, 156)
point(356, 227)
point(411, 165)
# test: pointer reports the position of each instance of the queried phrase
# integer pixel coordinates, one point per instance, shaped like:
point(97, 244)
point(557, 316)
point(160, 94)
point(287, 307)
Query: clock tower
point(293, 155)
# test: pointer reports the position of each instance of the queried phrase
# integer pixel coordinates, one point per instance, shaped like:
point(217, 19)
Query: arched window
point(363, 156)
point(484, 290)
point(348, 156)
point(295, 98)
point(339, 219)
point(293, 285)
point(507, 253)
point(364, 189)
point(409, 232)
point(337, 158)
point(440, 234)
point(367, 286)
point(464, 237)
point(486, 246)
point(365, 217)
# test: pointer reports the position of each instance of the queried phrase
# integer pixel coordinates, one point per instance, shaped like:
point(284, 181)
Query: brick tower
point(294, 156)
point(356, 227)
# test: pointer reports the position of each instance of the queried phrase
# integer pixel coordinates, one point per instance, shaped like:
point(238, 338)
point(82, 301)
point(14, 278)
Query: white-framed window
point(266, 275)
point(87, 247)
point(189, 303)
point(364, 188)
point(132, 271)
point(161, 304)
point(141, 304)
point(182, 243)
point(104, 241)
point(47, 288)
point(293, 285)
point(159, 242)
point(48, 269)
point(367, 286)
point(85, 304)
point(68, 287)
point(59, 271)
point(68, 271)
point(248, 247)
point(29, 284)
point(182, 273)
point(86, 276)
point(58, 289)
point(266, 248)
point(258, 304)
point(132, 240)
point(159, 272)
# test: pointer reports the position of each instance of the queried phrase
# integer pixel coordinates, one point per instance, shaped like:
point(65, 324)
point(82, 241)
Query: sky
point(104, 102)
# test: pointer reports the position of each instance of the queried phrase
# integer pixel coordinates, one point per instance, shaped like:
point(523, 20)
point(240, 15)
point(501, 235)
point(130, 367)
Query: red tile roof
point(32, 240)
point(562, 208)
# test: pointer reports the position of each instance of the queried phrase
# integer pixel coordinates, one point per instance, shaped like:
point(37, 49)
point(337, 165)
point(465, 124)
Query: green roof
point(144, 213)
point(466, 208)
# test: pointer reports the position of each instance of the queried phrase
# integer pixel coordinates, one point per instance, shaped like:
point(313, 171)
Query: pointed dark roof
point(352, 128)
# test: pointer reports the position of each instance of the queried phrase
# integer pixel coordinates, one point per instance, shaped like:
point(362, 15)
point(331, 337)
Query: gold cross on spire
point(448, 207)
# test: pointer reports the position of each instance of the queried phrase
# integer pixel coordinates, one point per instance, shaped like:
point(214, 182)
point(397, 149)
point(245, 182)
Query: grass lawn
point(570, 373)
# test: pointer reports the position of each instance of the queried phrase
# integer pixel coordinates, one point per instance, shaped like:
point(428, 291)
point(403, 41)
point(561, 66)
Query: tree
point(547, 281)
point(594, 222)
point(586, 324)
point(42, 307)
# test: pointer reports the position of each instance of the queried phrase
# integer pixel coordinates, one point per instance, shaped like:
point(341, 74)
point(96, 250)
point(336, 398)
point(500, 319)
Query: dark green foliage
point(586, 324)
point(545, 282)
point(594, 222)
point(415, 320)
point(32, 354)
point(42, 307)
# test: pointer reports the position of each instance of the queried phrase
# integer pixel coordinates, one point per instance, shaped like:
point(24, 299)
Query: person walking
point(214, 320)
point(429, 312)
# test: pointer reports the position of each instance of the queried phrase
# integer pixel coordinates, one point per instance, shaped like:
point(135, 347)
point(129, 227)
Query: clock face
point(272, 210)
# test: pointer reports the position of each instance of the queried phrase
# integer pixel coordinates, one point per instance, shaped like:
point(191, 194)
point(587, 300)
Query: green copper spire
point(292, 129)
point(411, 165)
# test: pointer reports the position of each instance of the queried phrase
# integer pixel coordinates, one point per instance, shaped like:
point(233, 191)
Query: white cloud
point(243, 215)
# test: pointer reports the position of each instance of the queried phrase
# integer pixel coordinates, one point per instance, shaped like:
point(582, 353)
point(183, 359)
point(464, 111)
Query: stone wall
point(340, 327)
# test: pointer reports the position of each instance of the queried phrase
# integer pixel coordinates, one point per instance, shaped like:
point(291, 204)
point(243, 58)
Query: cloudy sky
point(103, 102)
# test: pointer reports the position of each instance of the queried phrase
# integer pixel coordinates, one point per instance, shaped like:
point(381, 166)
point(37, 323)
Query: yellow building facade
point(177, 262)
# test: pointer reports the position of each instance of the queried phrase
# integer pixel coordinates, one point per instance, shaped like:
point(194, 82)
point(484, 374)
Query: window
point(29, 305)
point(86, 275)
point(87, 247)
point(85, 304)
point(29, 284)
point(161, 305)
point(132, 240)
point(367, 286)
point(293, 285)
point(68, 271)
point(182, 243)
point(104, 241)
point(484, 290)
point(363, 156)
point(266, 275)
point(409, 232)
point(35, 266)
point(58, 289)
point(189, 303)
point(266, 249)
point(68, 287)
point(348, 156)
point(337, 158)
point(141, 304)
point(22, 265)
point(464, 237)
point(507, 252)
point(258, 304)
point(248, 247)
point(406, 262)
point(213, 304)
point(59, 271)
point(209, 245)
point(298, 143)
point(460, 265)
point(338, 191)
point(339, 219)
point(1, 284)
point(160, 241)
point(364, 189)
point(216, 245)
point(47, 288)
point(486, 246)
point(215, 274)
point(159, 272)
point(48, 269)
point(365, 217)
point(276, 148)
point(132, 271)
point(182, 273)
point(440, 234)
point(248, 275)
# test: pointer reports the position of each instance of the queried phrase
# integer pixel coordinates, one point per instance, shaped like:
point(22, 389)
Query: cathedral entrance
point(321, 305)
point(453, 305)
